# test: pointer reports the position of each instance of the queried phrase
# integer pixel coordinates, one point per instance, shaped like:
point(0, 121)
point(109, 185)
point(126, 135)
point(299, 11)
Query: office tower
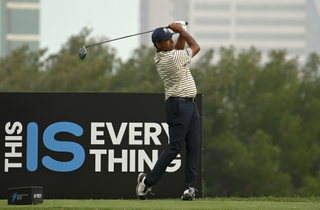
point(19, 25)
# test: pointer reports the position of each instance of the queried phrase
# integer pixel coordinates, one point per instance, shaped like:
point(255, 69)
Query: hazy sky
point(60, 19)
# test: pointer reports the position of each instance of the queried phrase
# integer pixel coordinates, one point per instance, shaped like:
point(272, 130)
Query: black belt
point(182, 99)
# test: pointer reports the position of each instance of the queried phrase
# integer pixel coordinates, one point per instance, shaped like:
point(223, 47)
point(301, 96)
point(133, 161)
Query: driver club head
point(82, 52)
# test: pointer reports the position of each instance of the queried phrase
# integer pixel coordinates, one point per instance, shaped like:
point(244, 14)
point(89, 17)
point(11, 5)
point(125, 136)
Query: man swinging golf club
point(181, 111)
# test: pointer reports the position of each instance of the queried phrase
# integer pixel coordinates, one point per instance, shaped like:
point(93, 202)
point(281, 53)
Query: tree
point(66, 72)
point(138, 74)
point(19, 71)
point(260, 123)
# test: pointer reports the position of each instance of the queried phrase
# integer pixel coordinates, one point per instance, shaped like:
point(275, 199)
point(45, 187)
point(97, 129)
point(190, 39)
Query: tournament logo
point(165, 30)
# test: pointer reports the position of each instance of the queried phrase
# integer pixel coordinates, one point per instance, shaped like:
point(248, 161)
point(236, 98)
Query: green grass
point(277, 203)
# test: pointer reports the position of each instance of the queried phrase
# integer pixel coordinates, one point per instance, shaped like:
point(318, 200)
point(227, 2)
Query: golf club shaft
point(124, 37)
point(120, 38)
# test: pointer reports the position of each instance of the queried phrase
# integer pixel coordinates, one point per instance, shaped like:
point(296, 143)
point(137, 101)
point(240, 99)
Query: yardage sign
point(86, 145)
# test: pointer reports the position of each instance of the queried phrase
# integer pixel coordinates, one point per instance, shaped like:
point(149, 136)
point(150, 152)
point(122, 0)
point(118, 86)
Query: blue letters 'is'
point(59, 146)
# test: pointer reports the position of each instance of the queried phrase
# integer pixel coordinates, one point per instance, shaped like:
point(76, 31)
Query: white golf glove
point(183, 24)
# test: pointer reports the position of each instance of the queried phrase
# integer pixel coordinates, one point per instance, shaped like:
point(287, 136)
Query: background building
point(19, 25)
point(293, 25)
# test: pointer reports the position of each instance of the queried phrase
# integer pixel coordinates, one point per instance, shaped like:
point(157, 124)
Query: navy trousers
point(184, 127)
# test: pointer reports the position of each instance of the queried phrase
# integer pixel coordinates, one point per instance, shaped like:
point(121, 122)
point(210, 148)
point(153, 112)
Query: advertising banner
point(86, 145)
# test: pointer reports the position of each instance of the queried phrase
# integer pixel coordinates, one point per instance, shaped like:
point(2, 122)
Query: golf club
point(83, 50)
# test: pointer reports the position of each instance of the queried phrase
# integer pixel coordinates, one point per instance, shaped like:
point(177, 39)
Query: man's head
point(162, 39)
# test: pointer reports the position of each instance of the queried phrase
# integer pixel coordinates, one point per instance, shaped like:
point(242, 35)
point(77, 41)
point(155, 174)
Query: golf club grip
point(184, 21)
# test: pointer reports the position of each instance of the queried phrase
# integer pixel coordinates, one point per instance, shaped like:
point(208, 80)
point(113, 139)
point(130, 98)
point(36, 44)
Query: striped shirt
point(174, 71)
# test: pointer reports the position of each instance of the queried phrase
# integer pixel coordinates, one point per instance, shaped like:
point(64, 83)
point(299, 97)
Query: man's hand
point(176, 27)
point(183, 24)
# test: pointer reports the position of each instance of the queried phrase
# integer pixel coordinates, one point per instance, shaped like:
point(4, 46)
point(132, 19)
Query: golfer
point(181, 111)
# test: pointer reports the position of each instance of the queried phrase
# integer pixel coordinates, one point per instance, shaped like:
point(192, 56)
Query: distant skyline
point(60, 19)
point(287, 24)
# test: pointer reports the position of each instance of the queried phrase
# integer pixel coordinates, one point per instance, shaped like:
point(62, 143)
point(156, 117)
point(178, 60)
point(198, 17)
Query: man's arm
point(180, 43)
point(183, 38)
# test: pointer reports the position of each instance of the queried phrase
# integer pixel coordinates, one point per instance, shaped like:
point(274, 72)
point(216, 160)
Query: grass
point(277, 203)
